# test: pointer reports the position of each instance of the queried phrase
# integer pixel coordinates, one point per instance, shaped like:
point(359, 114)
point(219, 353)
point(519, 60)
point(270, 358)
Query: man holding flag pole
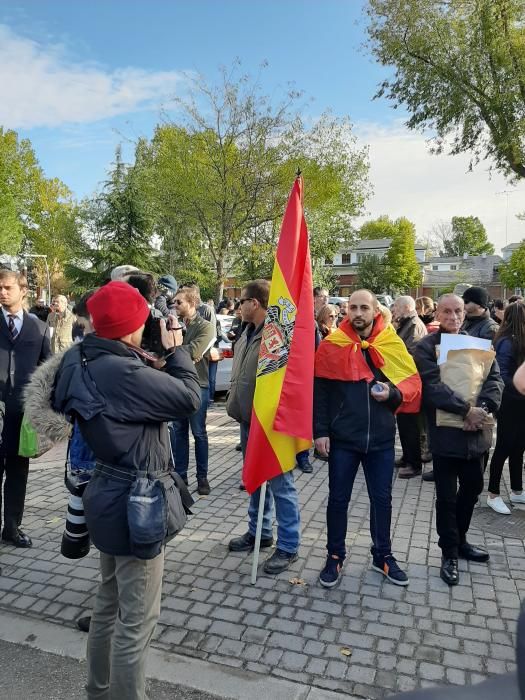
point(272, 390)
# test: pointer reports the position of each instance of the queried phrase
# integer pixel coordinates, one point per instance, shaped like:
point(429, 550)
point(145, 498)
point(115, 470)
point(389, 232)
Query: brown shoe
point(408, 472)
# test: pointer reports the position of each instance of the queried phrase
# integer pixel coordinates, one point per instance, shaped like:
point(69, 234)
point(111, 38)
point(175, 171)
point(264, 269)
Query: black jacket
point(346, 412)
point(122, 408)
point(453, 442)
point(480, 326)
point(18, 360)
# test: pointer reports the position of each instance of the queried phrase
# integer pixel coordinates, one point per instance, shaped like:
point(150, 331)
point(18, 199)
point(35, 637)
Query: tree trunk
point(219, 282)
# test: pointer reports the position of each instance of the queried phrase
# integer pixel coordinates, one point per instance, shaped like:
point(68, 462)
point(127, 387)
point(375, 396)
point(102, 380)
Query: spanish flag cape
point(340, 356)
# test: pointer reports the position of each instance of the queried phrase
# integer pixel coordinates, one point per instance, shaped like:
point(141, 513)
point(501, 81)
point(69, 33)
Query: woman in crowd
point(327, 320)
point(510, 438)
point(425, 309)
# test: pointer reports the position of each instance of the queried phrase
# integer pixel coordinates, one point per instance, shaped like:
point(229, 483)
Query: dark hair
point(80, 308)
point(19, 278)
point(145, 283)
point(499, 304)
point(514, 298)
point(513, 328)
point(260, 290)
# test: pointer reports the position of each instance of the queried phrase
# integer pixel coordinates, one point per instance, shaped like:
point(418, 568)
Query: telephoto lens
point(75, 540)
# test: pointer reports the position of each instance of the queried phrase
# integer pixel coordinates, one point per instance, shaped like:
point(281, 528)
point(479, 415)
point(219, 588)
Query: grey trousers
point(125, 613)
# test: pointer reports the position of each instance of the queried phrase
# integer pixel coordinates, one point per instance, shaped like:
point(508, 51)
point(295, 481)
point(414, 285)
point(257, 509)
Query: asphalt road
point(30, 674)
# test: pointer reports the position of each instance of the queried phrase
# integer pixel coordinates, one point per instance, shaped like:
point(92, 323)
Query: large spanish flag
point(340, 356)
point(281, 424)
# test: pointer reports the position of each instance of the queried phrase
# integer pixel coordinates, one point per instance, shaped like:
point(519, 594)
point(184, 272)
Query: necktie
point(12, 327)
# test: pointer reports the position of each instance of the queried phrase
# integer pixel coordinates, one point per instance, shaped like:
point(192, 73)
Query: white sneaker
point(498, 504)
point(515, 498)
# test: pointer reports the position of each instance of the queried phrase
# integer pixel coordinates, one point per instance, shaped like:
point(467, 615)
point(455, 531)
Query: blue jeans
point(281, 500)
point(212, 376)
point(378, 467)
point(181, 433)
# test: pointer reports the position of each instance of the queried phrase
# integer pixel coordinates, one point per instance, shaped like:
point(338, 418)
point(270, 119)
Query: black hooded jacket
point(122, 408)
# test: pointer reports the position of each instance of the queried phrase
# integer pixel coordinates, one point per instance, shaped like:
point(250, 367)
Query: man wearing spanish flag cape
point(363, 376)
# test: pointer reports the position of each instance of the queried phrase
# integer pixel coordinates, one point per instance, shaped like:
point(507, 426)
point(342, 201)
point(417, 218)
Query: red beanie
point(117, 309)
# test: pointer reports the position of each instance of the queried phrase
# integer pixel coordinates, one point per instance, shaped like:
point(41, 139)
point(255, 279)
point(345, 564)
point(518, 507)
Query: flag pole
point(258, 532)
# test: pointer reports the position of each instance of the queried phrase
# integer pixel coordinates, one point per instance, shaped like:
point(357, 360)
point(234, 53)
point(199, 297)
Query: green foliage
point(117, 229)
point(467, 235)
point(218, 179)
point(459, 69)
point(512, 273)
point(398, 270)
point(382, 227)
point(371, 274)
point(402, 269)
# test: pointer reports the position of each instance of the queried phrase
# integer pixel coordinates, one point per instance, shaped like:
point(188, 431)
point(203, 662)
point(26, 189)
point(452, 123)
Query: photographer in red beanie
point(122, 407)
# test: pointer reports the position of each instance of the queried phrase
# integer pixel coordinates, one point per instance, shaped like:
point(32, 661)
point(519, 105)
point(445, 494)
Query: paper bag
point(464, 372)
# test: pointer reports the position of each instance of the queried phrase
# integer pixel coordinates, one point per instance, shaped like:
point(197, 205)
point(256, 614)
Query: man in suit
point(24, 344)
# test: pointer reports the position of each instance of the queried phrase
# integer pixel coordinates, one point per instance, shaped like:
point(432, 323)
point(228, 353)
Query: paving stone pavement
point(399, 638)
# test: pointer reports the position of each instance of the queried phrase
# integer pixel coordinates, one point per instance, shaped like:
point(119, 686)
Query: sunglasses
point(241, 301)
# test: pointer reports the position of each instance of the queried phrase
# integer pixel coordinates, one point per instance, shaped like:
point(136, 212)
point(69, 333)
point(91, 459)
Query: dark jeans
point(302, 458)
point(454, 507)
point(16, 470)
point(212, 376)
point(378, 468)
point(510, 442)
point(408, 426)
point(181, 427)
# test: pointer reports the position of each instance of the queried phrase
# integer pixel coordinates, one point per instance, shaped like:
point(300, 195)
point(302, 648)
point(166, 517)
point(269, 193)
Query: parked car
point(224, 370)
point(336, 300)
point(385, 300)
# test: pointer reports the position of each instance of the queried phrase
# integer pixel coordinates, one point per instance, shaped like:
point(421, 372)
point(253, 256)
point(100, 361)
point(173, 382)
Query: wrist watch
point(484, 406)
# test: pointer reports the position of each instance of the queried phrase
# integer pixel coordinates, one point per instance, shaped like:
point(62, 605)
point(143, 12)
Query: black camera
point(75, 540)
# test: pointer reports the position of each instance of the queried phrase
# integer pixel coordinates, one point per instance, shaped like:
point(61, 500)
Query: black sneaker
point(238, 447)
point(203, 487)
point(389, 567)
point(279, 561)
point(331, 573)
point(246, 543)
point(305, 467)
point(83, 623)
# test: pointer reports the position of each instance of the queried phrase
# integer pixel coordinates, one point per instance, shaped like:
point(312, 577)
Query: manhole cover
point(512, 525)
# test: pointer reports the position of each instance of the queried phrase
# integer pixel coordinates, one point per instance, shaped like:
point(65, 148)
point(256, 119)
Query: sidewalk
point(398, 638)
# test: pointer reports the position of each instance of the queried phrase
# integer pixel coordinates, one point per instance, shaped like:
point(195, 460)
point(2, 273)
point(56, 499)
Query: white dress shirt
point(18, 318)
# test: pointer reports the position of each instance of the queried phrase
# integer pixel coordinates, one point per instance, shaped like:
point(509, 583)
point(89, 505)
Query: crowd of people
point(131, 366)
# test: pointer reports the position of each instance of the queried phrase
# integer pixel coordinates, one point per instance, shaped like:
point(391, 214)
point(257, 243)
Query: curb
point(205, 676)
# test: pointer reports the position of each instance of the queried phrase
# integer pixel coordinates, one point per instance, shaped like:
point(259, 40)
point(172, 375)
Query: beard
point(359, 324)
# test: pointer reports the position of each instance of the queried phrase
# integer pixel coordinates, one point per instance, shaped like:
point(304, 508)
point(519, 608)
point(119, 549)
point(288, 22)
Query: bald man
point(457, 452)
point(354, 425)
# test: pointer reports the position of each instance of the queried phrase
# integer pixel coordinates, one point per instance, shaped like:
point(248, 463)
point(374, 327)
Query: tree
point(398, 270)
point(512, 273)
point(20, 176)
point(218, 178)
point(118, 228)
point(371, 273)
point(459, 69)
point(402, 271)
point(382, 227)
point(463, 235)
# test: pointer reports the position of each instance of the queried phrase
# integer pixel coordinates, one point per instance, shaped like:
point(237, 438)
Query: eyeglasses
point(241, 301)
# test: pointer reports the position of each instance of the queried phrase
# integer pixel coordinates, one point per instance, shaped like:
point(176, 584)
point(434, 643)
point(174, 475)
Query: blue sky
point(80, 76)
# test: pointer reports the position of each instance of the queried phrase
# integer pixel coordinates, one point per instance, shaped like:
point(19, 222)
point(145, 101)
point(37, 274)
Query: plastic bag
point(28, 445)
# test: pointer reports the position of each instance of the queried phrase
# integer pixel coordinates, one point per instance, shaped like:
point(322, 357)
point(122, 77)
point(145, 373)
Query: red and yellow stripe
point(281, 424)
point(340, 357)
